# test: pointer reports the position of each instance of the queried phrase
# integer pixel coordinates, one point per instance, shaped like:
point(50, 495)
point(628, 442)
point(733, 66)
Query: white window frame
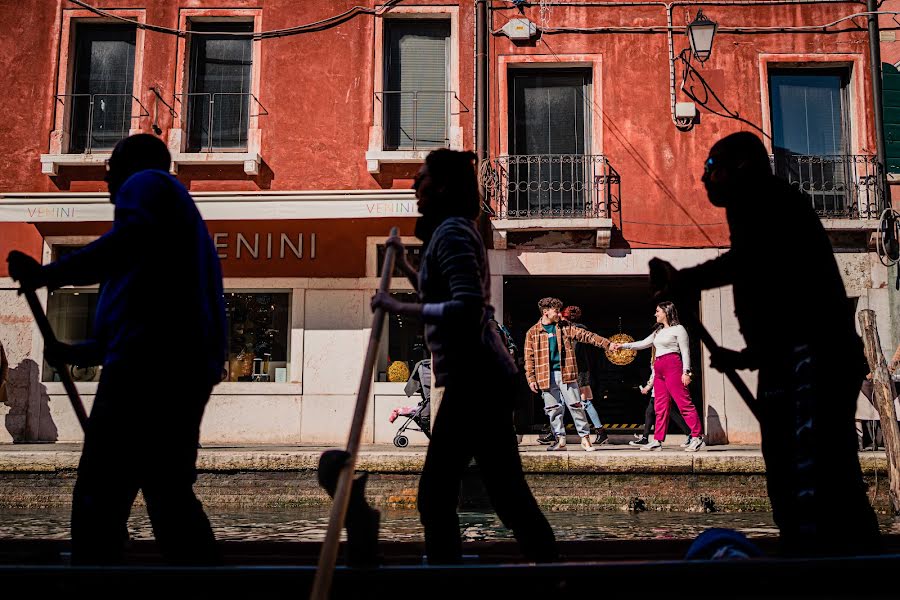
point(250, 160)
point(376, 155)
point(58, 154)
point(860, 141)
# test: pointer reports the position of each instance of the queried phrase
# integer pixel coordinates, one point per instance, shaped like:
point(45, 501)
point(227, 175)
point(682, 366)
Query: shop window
point(405, 342)
point(71, 315)
point(258, 327)
point(413, 255)
point(60, 250)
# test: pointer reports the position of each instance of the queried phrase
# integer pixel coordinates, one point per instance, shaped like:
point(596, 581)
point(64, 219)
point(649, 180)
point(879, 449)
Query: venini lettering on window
point(265, 246)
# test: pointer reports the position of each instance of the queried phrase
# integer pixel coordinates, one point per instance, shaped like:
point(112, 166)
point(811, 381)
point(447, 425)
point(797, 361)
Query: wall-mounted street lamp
point(701, 32)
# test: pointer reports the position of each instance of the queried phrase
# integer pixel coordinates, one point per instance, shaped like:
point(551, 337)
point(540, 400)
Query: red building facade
point(299, 139)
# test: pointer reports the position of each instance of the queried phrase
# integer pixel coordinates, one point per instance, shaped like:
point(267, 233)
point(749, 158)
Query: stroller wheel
point(401, 441)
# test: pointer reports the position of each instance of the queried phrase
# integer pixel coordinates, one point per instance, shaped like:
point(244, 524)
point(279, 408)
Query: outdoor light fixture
point(701, 32)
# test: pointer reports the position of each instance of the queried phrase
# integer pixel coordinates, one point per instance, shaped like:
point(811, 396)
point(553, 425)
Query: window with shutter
point(810, 133)
point(416, 98)
point(218, 99)
point(891, 96)
point(103, 76)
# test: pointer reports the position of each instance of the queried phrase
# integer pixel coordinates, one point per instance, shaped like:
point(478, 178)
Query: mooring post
point(884, 403)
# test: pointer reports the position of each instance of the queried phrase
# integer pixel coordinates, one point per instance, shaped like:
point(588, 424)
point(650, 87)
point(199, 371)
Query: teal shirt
point(554, 347)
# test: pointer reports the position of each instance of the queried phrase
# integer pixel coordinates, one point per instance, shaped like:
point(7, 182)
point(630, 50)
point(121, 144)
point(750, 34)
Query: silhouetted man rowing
point(159, 311)
point(797, 322)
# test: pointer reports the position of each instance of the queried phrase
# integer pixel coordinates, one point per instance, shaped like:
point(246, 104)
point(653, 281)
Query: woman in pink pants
point(671, 375)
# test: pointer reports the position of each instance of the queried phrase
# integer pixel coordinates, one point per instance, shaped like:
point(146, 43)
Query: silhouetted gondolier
point(160, 308)
point(797, 322)
point(469, 360)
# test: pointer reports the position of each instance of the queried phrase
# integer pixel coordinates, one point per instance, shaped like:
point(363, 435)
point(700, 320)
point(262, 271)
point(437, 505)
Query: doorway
point(605, 303)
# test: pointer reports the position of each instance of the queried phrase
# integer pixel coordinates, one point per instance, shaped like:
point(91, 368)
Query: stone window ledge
point(50, 163)
point(250, 161)
point(376, 158)
point(850, 224)
point(603, 228)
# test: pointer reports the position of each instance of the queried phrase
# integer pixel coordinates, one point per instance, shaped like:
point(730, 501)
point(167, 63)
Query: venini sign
point(265, 245)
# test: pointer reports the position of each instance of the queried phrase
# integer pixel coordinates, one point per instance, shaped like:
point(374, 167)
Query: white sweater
point(667, 340)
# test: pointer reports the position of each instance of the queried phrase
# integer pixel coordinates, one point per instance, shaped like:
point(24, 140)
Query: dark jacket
point(161, 298)
point(455, 288)
point(788, 290)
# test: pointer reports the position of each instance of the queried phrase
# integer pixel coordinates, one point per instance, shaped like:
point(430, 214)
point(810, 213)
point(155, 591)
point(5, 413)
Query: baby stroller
point(419, 382)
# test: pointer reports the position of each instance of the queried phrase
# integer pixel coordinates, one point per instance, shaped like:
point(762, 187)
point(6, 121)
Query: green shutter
point(891, 98)
point(416, 102)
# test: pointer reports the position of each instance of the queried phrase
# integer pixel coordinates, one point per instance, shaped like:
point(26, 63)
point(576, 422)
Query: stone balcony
point(551, 192)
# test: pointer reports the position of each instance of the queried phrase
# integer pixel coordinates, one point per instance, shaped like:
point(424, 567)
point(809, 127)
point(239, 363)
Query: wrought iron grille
point(415, 120)
point(99, 121)
point(551, 185)
point(219, 121)
point(840, 186)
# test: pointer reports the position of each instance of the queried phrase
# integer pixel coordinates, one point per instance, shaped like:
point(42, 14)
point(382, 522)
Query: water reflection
point(309, 524)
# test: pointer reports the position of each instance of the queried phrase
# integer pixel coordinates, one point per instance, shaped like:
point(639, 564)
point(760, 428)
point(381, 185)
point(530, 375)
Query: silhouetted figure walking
point(797, 322)
point(160, 307)
point(469, 360)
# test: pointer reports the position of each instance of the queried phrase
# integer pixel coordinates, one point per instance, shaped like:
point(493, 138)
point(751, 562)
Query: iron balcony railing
point(415, 120)
point(840, 186)
point(219, 121)
point(96, 122)
point(551, 186)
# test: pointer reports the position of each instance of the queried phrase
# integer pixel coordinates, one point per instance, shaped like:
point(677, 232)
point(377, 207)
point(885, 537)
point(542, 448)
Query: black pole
point(877, 98)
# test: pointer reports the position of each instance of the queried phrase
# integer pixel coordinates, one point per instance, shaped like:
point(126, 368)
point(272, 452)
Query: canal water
point(309, 524)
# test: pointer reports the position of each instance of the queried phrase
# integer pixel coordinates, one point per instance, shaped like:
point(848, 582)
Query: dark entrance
point(603, 300)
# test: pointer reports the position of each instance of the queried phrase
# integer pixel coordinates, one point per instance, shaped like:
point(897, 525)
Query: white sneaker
point(696, 444)
point(653, 445)
point(586, 444)
point(686, 442)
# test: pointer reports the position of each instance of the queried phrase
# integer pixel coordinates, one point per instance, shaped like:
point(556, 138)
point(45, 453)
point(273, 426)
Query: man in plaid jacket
point(551, 370)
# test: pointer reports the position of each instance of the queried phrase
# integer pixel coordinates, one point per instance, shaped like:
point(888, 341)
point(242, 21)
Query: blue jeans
point(569, 395)
point(593, 414)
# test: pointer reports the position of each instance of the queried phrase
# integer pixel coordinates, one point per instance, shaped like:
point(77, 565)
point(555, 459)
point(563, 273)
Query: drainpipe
point(875, 66)
point(878, 112)
point(481, 80)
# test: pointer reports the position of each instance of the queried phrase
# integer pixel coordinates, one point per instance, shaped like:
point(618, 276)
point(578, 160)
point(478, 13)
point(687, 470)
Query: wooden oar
point(328, 556)
point(659, 278)
point(50, 338)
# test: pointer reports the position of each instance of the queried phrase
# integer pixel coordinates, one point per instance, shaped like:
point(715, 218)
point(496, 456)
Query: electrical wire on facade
point(669, 29)
point(652, 223)
point(646, 245)
point(632, 3)
point(257, 35)
point(824, 28)
point(597, 113)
